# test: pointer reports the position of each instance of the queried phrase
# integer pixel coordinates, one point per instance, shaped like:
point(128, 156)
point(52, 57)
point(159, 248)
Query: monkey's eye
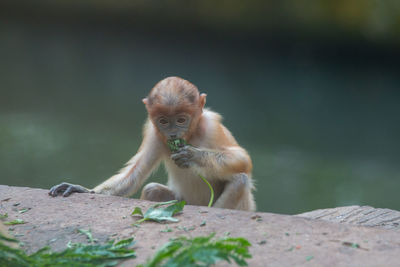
point(181, 120)
point(163, 121)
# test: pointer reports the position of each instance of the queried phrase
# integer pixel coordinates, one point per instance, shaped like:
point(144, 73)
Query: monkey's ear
point(202, 100)
point(144, 100)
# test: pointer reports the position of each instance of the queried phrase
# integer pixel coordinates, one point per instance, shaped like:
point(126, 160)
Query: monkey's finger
point(55, 190)
point(52, 191)
point(183, 149)
point(69, 191)
point(187, 149)
point(179, 155)
point(181, 160)
point(176, 156)
point(179, 152)
point(185, 165)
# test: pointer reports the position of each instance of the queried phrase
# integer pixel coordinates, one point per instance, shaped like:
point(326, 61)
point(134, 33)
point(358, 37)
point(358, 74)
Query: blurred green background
point(310, 88)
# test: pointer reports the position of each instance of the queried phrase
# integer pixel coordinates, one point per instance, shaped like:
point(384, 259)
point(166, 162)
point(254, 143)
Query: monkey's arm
point(217, 163)
point(130, 178)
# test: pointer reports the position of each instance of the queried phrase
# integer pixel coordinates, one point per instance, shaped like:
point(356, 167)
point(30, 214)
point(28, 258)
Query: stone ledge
point(289, 240)
point(356, 215)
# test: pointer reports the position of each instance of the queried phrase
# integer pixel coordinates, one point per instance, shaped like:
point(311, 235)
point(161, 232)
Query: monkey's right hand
point(67, 189)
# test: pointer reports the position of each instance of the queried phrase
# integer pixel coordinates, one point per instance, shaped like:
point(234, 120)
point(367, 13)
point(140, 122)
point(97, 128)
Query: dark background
point(310, 88)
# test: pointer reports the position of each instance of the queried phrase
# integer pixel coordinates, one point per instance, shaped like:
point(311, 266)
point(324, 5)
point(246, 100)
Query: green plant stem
point(141, 220)
point(211, 190)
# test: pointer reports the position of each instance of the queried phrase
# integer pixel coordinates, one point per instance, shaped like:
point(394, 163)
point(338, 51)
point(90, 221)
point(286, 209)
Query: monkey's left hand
point(187, 156)
point(67, 189)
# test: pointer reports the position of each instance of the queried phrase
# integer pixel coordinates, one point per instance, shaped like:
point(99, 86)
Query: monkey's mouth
point(177, 135)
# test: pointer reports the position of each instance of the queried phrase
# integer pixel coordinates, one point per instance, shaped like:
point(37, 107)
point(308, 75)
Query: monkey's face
point(173, 126)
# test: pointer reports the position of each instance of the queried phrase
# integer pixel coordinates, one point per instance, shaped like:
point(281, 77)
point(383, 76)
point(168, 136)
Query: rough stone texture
point(356, 215)
point(277, 240)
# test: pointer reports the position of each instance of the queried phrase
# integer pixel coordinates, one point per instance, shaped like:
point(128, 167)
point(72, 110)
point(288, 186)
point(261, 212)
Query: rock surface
point(356, 215)
point(277, 240)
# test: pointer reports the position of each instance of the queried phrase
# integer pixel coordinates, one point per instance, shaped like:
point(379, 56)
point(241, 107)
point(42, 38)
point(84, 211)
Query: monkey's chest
point(188, 185)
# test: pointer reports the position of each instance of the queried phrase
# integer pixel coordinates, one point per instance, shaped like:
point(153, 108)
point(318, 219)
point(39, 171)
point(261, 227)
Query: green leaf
point(137, 210)
point(88, 234)
point(16, 221)
point(201, 251)
point(160, 214)
point(75, 255)
point(123, 243)
point(3, 216)
point(6, 238)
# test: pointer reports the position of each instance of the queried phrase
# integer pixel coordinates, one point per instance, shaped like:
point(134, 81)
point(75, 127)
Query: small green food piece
point(350, 244)
point(88, 234)
point(186, 229)
point(201, 251)
point(160, 214)
point(166, 230)
point(16, 221)
point(23, 210)
point(290, 249)
point(175, 144)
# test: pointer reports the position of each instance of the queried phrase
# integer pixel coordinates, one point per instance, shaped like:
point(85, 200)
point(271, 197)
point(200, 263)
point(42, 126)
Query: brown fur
point(173, 91)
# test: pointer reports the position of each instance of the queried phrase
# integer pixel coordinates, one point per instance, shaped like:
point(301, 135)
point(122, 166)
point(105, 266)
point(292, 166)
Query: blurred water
point(321, 133)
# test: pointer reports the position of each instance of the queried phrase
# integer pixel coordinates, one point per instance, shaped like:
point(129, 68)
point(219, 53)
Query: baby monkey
point(176, 111)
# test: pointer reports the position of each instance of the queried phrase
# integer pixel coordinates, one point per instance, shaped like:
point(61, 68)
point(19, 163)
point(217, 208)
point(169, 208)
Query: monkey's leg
point(237, 194)
point(157, 192)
